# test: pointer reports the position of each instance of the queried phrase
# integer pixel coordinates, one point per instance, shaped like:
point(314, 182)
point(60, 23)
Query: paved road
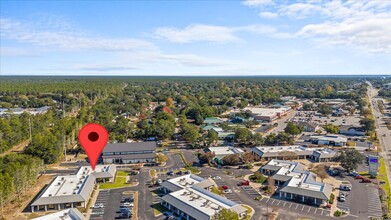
point(281, 125)
point(383, 133)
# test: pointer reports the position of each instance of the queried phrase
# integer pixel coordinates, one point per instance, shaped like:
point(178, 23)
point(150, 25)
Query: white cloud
point(215, 34)
point(197, 32)
point(364, 25)
point(258, 3)
point(60, 36)
point(266, 14)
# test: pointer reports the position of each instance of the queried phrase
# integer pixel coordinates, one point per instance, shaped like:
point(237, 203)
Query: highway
point(383, 133)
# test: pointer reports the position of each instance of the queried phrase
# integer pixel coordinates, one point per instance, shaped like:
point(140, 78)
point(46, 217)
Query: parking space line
point(267, 200)
point(290, 205)
point(297, 206)
point(309, 209)
point(273, 201)
point(302, 208)
point(284, 204)
point(278, 202)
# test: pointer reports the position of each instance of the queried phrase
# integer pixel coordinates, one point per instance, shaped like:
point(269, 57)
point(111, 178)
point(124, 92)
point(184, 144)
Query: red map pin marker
point(93, 138)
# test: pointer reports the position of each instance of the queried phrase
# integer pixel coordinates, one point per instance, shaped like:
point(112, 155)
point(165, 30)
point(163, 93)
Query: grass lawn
point(120, 181)
point(249, 211)
point(215, 190)
point(158, 209)
point(383, 176)
point(193, 170)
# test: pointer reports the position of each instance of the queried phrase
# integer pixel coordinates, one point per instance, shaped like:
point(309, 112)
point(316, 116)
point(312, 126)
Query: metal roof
point(126, 147)
point(131, 156)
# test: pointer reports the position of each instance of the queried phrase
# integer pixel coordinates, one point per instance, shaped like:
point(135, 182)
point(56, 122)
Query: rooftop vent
point(62, 178)
point(50, 194)
point(85, 168)
point(59, 183)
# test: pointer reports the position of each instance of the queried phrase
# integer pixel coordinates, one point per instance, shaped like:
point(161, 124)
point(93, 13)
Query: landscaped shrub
point(332, 197)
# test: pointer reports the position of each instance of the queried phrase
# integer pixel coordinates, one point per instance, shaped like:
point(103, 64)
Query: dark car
point(366, 180)
point(179, 172)
point(170, 173)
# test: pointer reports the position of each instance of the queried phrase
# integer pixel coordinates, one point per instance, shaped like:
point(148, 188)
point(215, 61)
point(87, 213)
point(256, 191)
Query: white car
point(128, 204)
point(227, 191)
point(98, 206)
point(216, 178)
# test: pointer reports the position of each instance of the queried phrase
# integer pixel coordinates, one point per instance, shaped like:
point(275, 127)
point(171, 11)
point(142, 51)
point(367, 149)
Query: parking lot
point(374, 204)
point(298, 208)
point(103, 199)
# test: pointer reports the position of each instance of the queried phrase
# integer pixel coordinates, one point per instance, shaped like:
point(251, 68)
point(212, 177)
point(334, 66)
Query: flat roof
point(268, 151)
point(267, 111)
point(73, 188)
point(199, 202)
point(330, 138)
point(225, 150)
point(300, 181)
point(67, 214)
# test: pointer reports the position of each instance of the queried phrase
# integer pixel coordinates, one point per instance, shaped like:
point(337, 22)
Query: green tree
point(226, 214)
point(350, 159)
point(242, 135)
point(325, 109)
point(212, 136)
point(368, 124)
point(190, 132)
point(293, 129)
point(330, 128)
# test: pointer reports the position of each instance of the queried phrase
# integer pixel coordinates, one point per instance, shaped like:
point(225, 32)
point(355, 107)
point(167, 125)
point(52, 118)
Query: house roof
point(309, 124)
point(131, 156)
point(213, 120)
point(66, 214)
point(128, 147)
point(299, 181)
point(73, 188)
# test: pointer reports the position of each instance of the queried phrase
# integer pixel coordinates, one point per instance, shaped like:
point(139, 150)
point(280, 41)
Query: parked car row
point(126, 208)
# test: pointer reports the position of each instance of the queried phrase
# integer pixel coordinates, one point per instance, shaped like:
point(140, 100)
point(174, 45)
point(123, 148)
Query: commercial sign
point(373, 162)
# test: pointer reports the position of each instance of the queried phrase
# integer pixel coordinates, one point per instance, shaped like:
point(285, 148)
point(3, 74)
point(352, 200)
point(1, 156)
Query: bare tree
point(322, 173)
point(271, 185)
point(248, 157)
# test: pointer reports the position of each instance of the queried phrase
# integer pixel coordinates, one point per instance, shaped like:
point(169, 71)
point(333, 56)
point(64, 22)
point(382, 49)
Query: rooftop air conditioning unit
point(62, 178)
point(84, 172)
point(59, 183)
point(86, 168)
point(74, 192)
point(77, 187)
point(50, 194)
point(80, 181)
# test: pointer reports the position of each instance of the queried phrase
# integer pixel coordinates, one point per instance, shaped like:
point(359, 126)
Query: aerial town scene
point(195, 110)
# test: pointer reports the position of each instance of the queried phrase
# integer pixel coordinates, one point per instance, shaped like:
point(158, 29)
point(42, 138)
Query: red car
point(224, 187)
point(359, 177)
point(244, 183)
point(365, 180)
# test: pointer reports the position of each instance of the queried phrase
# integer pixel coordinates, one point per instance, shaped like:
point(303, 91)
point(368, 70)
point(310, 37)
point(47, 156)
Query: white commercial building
point(71, 191)
point(293, 152)
point(268, 114)
point(189, 198)
point(67, 214)
point(295, 183)
point(329, 140)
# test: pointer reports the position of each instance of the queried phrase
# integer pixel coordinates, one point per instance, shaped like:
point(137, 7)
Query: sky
point(201, 38)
